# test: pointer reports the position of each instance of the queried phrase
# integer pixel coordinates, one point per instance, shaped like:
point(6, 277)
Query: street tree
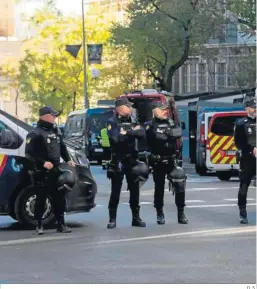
point(243, 13)
point(11, 75)
point(161, 34)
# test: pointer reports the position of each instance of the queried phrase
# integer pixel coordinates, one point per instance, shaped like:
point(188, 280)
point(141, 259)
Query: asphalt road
point(212, 248)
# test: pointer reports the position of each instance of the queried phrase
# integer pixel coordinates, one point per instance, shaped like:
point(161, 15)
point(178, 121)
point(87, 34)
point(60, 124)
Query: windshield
point(98, 121)
point(142, 108)
point(224, 125)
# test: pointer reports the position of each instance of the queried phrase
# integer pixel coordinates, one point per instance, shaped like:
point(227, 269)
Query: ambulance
point(17, 195)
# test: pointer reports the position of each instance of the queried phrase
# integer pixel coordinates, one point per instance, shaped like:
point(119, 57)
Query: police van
point(87, 125)
point(17, 196)
point(142, 111)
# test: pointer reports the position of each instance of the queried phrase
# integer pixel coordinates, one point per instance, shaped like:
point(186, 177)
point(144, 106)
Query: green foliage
point(10, 71)
point(245, 11)
point(160, 35)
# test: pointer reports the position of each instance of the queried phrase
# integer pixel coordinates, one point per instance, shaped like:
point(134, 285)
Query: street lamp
point(84, 57)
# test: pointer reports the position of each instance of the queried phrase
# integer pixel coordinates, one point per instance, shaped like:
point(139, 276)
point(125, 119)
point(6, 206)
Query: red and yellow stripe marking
point(218, 147)
point(3, 161)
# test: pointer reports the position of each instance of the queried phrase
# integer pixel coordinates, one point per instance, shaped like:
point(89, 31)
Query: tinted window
point(74, 125)
point(97, 121)
point(224, 125)
point(17, 139)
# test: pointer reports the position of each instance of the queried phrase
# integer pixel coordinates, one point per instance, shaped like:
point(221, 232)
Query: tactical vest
point(250, 128)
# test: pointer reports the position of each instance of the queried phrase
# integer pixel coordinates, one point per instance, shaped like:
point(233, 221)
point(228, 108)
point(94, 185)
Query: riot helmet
point(66, 181)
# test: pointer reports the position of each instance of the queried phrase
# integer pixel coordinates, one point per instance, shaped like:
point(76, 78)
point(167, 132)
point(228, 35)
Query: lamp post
point(84, 57)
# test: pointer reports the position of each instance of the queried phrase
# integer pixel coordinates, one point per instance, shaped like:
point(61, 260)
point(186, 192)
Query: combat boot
point(62, 227)
point(136, 220)
point(243, 215)
point(182, 219)
point(112, 220)
point(39, 229)
point(160, 217)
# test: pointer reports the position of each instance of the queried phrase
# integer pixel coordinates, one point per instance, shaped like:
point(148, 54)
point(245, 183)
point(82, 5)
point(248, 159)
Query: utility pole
point(84, 57)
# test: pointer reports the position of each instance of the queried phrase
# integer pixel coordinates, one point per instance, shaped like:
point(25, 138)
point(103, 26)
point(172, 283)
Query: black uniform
point(124, 158)
point(245, 140)
point(45, 144)
point(162, 144)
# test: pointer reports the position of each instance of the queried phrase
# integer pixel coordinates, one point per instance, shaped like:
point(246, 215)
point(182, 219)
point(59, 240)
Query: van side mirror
point(183, 125)
point(6, 138)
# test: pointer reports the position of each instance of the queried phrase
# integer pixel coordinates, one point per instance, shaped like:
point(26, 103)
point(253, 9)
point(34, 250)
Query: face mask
point(252, 115)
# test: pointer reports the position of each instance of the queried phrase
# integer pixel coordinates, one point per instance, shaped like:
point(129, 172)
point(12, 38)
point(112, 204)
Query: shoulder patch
point(28, 140)
point(109, 127)
point(147, 127)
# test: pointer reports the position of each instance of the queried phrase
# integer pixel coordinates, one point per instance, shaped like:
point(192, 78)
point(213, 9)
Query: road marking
point(217, 205)
point(226, 231)
point(217, 232)
point(34, 240)
point(232, 200)
point(195, 201)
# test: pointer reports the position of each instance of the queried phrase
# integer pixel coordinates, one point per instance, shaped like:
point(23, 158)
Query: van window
point(224, 125)
point(17, 138)
point(74, 125)
point(98, 121)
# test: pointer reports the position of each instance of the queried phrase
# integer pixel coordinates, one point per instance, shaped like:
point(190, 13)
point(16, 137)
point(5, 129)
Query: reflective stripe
point(105, 138)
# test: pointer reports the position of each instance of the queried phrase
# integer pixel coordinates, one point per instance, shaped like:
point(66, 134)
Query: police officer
point(245, 141)
point(44, 147)
point(123, 133)
point(161, 135)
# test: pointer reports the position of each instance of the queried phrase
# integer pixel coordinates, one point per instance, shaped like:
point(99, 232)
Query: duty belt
point(163, 159)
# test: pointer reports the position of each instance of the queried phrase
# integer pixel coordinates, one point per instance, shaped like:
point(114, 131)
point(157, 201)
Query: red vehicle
point(142, 110)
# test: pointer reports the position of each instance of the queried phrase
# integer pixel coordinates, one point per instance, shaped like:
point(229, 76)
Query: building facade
point(7, 19)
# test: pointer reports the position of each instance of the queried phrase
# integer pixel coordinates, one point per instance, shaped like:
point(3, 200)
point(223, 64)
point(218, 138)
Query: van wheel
point(201, 170)
point(24, 208)
point(224, 176)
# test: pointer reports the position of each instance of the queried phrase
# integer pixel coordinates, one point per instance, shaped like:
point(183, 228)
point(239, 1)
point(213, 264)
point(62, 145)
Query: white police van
point(17, 196)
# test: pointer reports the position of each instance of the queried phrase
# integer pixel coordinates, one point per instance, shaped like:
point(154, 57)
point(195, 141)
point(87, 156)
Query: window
point(224, 126)
point(75, 124)
point(193, 76)
point(98, 121)
point(16, 139)
point(221, 73)
point(202, 76)
point(185, 77)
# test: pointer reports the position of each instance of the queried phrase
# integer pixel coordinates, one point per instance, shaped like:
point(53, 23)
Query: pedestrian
point(123, 134)
point(161, 133)
point(245, 141)
point(44, 148)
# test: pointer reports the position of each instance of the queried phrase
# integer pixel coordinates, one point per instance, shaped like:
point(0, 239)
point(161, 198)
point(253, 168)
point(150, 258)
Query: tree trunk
point(16, 103)
point(184, 56)
point(74, 100)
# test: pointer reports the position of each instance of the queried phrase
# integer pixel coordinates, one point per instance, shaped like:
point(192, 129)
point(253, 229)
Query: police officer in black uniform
point(123, 134)
point(44, 148)
point(245, 141)
point(161, 135)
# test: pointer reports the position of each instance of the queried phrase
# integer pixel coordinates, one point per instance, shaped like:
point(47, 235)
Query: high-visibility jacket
point(105, 138)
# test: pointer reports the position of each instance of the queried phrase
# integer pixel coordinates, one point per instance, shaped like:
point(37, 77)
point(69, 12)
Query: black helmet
point(250, 100)
point(177, 178)
point(177, 175)
point(141, 170)
point(66, 181)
